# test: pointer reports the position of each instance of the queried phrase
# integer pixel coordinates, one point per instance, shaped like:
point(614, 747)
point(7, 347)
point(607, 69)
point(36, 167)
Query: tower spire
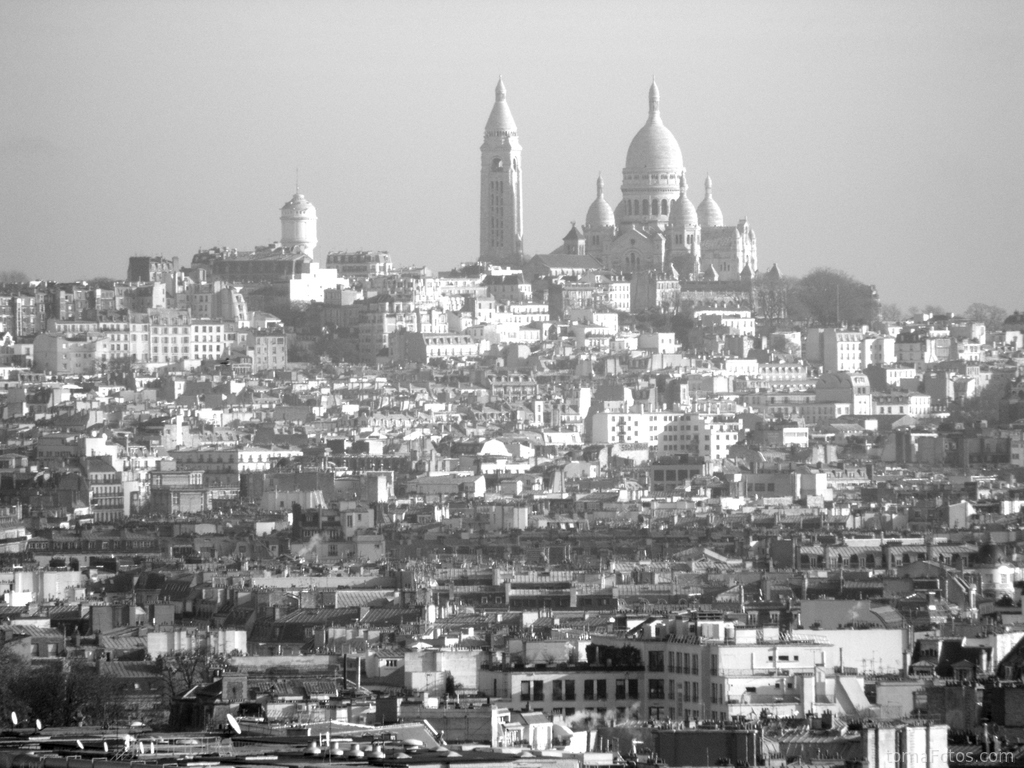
point(600, 185)
point(501, 190)
point(653, 100)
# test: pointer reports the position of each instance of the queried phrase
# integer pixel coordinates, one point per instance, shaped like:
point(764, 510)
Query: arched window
point(646, 207)
point(664, 207)
point(497, 164)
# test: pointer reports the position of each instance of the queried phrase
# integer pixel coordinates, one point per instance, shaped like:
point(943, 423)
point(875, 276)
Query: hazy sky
point(882, 138)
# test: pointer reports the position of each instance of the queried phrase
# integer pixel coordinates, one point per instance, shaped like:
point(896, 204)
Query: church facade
point(654, 228)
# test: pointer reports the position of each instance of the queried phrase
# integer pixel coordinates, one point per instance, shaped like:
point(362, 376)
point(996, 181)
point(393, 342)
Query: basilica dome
point(600, 213)
point(654, 148)
point(708, 212)
point(683, 213)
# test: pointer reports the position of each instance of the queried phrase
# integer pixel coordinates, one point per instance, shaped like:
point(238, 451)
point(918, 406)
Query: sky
point(885, 139)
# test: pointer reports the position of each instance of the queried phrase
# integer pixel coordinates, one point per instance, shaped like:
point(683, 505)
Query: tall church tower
point(298, 224)
point(501, 187)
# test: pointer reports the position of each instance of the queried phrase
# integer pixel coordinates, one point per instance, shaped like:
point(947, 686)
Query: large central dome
point(654, 148)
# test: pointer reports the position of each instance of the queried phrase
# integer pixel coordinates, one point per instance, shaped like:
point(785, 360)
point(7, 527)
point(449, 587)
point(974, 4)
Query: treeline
point(59, 692)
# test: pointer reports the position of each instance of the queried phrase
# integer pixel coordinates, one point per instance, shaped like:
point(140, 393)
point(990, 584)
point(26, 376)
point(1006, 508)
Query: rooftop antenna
point(296, 180)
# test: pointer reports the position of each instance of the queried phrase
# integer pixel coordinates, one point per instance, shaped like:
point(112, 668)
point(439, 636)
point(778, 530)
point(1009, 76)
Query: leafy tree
point(829, 296)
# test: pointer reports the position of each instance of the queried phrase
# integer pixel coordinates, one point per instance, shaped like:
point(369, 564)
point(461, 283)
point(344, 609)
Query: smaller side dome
point(620, 211)
point(600, 213)
point(683, 214)
point(708, 212)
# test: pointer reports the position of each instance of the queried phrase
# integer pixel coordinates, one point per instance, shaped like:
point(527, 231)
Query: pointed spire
point(600, 185)
point(500, 123)
point(654, 100)
point(707, 185)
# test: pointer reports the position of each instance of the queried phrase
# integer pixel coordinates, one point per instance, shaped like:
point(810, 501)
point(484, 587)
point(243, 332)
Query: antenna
point(296, 180)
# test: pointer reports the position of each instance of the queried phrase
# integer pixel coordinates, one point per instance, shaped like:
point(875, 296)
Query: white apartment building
point(902, 404)
point(669, 433)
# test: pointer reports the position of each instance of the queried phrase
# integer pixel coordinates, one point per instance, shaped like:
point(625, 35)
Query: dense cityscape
point(634, 498)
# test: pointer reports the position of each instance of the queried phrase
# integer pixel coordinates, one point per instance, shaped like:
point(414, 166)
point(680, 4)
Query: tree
point(183, 671)
point(13, 276)
point(64, 694)
point(830, 297)
point(450, 691)
point(989, 314)
point(771, 297)
point(890, 313)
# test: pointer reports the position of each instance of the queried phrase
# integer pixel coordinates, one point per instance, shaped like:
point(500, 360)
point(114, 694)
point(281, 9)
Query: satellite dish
point(152, 747)
point(80, 744)
point(127, 741)
point(14, 719)
point(234, 724)
point(105, 747)
point(39, 724)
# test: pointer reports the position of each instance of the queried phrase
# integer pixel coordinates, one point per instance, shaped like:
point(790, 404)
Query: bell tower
point(501, 187)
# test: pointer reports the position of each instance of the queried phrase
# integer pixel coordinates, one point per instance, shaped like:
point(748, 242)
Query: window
point(556, 690)
point(538, 690)
point(602, 689)
point(588, 690)
point(524, 690)
point(633, 687)
point(620, 689)
point(655, 661)
point(570, 692)
point(656, 689)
